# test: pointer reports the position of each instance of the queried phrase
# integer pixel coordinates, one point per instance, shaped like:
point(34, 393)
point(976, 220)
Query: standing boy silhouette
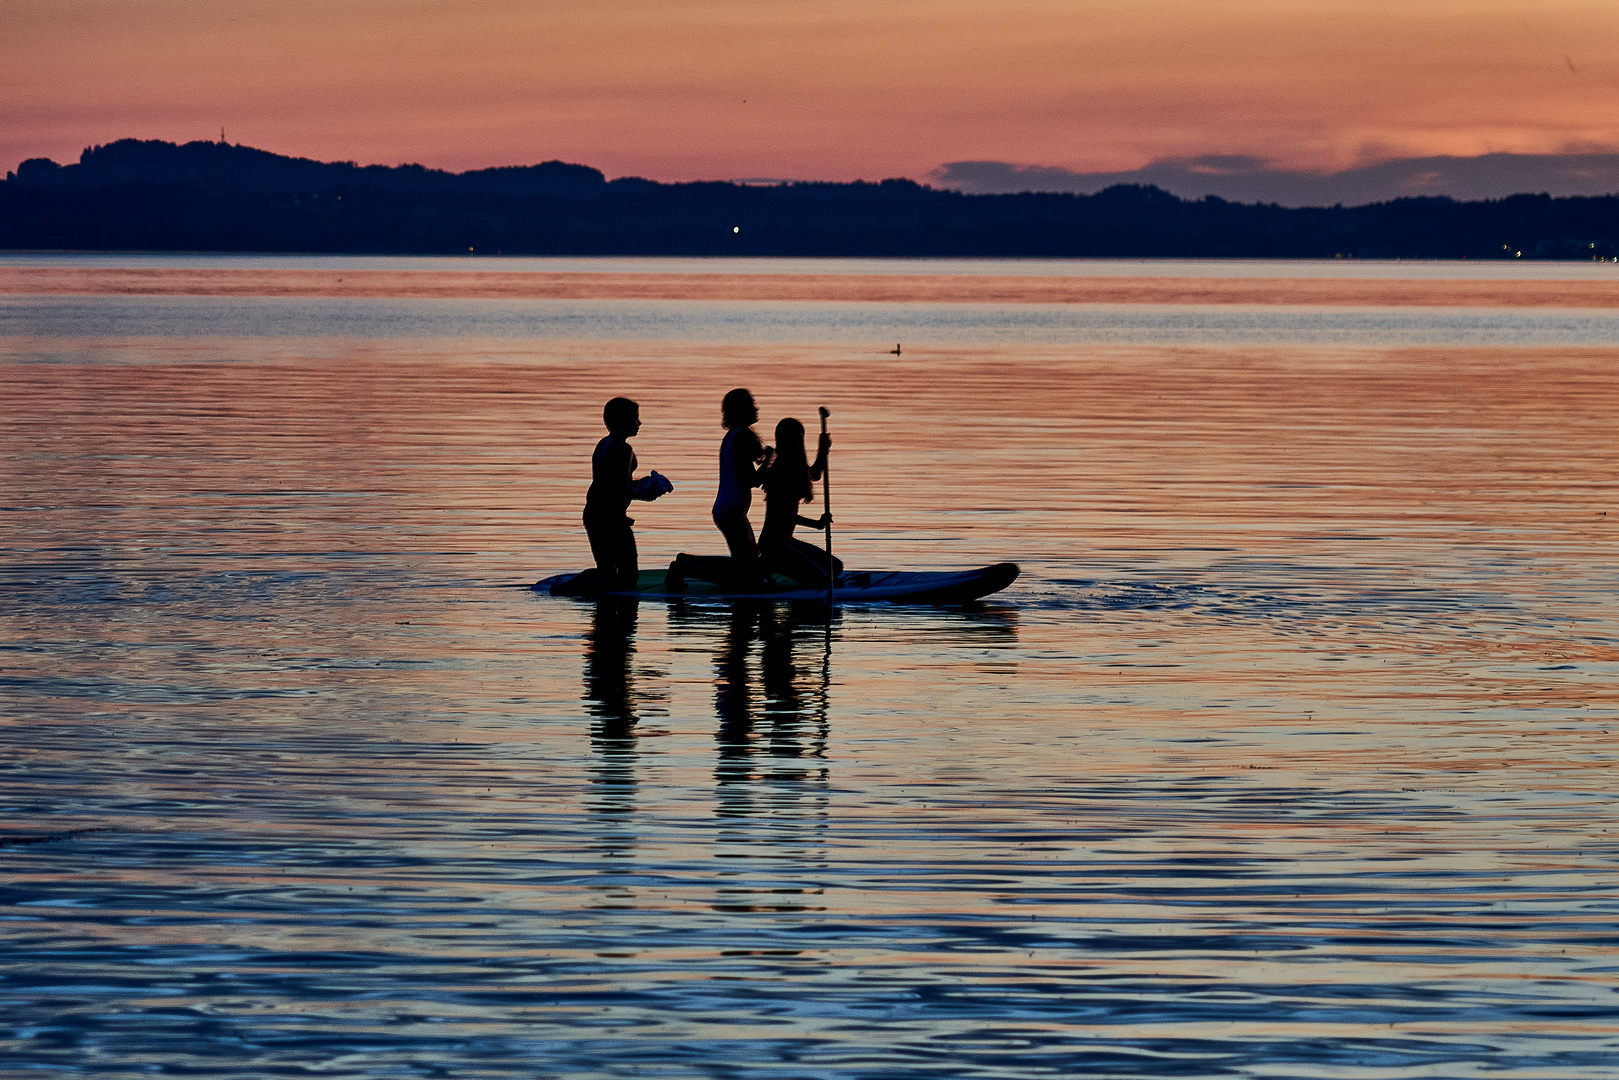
point(612, 486)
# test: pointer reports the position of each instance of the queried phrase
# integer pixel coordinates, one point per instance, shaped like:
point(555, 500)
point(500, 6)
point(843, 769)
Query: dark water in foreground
point(1291, 755)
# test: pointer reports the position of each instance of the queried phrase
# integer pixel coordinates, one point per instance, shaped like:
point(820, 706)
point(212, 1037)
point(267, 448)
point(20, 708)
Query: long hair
point(790, 471)
point(738, 409)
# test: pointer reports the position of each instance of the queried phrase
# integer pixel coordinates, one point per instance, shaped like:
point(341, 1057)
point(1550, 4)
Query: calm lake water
point(1290, 755)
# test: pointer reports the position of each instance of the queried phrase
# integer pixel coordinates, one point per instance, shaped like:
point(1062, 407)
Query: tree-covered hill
point(204, 196)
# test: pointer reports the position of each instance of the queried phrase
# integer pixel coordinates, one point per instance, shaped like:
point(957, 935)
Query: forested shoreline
point(206, 196)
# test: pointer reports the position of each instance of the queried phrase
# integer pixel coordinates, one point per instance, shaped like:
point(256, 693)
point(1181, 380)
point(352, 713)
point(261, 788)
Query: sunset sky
point(814, 89)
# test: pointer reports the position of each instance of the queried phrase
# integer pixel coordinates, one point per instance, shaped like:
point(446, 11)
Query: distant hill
point(1246, 179)
point(204, 196)
point(220, 168)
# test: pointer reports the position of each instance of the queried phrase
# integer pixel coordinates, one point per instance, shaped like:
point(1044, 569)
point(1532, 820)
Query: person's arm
point(647, 488)
point(749, 450)
point(818, 469)
point(815, 523)
point(623, 463)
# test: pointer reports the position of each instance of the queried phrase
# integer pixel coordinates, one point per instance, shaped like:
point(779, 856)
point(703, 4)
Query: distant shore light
point(736, 228)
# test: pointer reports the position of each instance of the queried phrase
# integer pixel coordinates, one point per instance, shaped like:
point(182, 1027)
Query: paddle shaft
point(826, 505)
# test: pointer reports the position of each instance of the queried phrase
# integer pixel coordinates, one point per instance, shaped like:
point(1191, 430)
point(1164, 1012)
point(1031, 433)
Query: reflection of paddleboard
point(853, 587)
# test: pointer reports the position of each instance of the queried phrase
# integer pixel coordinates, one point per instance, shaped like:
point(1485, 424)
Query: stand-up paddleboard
point(852, 587)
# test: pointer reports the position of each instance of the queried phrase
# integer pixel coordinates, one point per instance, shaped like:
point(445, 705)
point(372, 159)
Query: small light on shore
point(736, 228)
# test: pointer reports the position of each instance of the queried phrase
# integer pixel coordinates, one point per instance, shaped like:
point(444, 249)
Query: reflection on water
point(610, 697)
point(1280, 269)
point(609, 683)
point(771, 734)
point(445, 324)
point(1290, 755)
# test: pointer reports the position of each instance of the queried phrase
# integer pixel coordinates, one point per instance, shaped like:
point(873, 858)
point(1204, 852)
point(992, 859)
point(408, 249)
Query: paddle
point(826, 505)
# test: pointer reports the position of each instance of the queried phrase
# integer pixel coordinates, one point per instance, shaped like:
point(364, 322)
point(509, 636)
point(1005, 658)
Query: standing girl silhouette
point(740, 454)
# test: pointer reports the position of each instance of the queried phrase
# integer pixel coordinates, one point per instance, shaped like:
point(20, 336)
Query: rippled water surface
point(1290, 755)
point(1289, 269)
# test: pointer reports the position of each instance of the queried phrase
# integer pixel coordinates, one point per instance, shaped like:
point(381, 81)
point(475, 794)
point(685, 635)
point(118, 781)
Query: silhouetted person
point(789, 482)
point(612, 486)
point(740, 454)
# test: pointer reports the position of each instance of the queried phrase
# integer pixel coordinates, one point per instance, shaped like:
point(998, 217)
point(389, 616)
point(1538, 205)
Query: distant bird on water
point(894, 351)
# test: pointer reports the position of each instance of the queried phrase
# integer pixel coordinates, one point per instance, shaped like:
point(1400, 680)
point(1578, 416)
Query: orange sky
point(813, 89)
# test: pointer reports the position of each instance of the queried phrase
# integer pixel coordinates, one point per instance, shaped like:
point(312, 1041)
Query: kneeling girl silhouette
point(788, 481)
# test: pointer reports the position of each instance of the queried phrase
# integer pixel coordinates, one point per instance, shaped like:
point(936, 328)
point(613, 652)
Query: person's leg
point(738, 533)
point(612, 544)
point(600, 577)
point(815, 556)
point(600, 534)
point(785, 558)
point(626, 558)
point(718, 569)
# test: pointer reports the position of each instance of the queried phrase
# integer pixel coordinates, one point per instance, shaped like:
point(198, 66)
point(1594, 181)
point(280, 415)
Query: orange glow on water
point(906, 288)
point(1296, 734)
